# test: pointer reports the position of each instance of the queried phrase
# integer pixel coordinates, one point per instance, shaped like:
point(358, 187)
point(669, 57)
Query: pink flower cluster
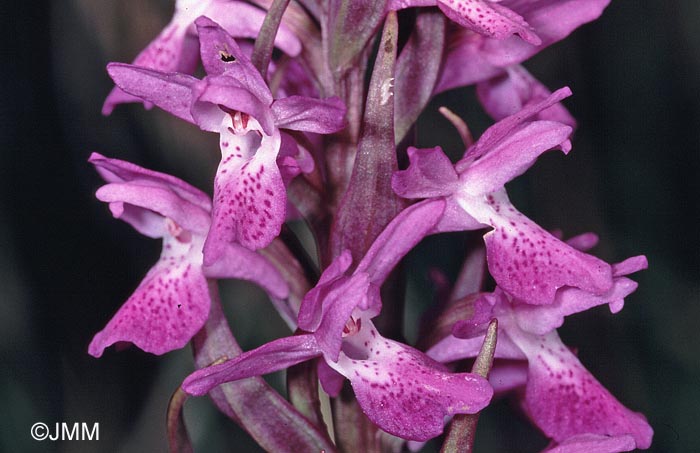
point(302, 136)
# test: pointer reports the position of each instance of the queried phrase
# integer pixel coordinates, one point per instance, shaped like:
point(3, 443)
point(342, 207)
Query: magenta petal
point(430, 174)
point(506, 95)
point(169, 306)
point(565, 400)
point(170, 91)
point(299, 113)
point(402, 234)
point(249, 194)
point(403, 391)
point(331, 380)
point(161, 200)
point(502, 129)
point(241, 19)
point(630, 265)
point(235, 95)
point(115, 170)
point(311, 308)
point(268, 358)
point(592, 443)
point(239, 262)
point(528, 262)
point(512, 156)
point(488, 18)
point(221, 54)
point(346, 295)
point(541, 319)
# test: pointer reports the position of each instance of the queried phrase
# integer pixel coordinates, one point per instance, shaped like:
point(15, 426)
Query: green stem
point(462, 432)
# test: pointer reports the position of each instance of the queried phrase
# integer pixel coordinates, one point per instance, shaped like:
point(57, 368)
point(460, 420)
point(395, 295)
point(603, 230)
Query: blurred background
point(66, 265)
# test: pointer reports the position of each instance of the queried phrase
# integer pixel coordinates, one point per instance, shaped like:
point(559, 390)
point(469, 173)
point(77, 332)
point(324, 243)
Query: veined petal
point(268, 358)
point(513, 155)
point(115, 170)
point(565, 400)
point(249, 194)
point(160, 200)
point(170, 91)
point(488, 18)
point(402, 390)
point(430, 174)
point(236, 96)
point(299, 113)
point(169, 306)
point(528, 262)
point(402, 234)
point(311, 309)
point(239, 262)
point(502, 129)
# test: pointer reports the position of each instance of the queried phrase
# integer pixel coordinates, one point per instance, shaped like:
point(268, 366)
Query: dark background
point(66, 265)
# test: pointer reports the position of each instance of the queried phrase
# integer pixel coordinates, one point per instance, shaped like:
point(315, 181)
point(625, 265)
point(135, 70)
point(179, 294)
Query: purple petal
point(563, 399)
point(542, 319)
point(115, 170)
point(236, 96)
point(488, 19)
point(471, 58)
point(430, 174)
point(527, 261)
point(451, 348)
point(239, 262)
point(299, 113)
point(339, 303)
point(311, 308)
point(402, 234)
point(630, 265)
point(331, 380)
point(592, 443)
point(221, 54)
point(171, 51)
point(243, 20)
point(249, 194)
point(169, 306)
point(160, 200)
point(513, 155)
point(502, 129)
point(403, 391)
point(584, 242)
point(506, 95)
point(507, 375)
point(274, 356)
point(553, 20)
point(170, 91)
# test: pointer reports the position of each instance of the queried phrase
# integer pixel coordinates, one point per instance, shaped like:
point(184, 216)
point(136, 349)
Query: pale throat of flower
point(183, 236)
point(352, 326)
